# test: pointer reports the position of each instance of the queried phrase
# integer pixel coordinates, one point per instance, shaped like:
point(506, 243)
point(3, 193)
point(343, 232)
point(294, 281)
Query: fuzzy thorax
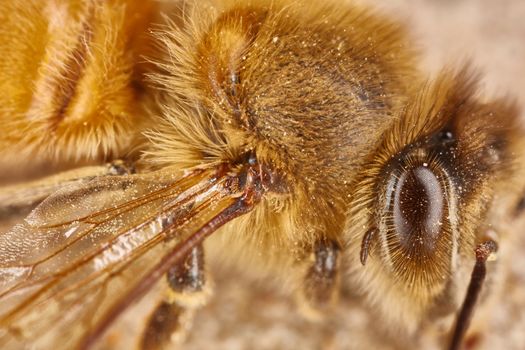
point(297, 85)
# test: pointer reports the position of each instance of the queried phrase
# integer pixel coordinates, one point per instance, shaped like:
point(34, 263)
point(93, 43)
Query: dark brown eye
point(416, 222)
point(418, 207)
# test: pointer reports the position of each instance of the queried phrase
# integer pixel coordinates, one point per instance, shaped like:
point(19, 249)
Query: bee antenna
point(365, 244)
point(479, 272)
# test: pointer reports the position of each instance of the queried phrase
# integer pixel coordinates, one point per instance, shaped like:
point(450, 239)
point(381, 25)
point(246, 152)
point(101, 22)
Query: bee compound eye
point(418, 207)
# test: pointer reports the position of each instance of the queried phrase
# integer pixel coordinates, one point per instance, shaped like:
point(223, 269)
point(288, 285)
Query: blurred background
point(489, 34)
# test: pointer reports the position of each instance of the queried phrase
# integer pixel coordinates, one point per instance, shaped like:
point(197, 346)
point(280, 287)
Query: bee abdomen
point(78, 100)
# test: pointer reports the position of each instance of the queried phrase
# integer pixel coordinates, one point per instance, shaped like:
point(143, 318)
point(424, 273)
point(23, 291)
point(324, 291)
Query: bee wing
point(69, 268)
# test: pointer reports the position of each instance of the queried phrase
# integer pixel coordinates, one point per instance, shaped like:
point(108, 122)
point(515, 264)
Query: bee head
point(425, 194)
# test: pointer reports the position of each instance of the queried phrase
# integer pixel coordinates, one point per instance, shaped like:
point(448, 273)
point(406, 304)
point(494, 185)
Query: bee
point(298, 136)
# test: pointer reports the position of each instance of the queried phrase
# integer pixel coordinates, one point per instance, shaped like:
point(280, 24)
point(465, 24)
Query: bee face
point(429, 182)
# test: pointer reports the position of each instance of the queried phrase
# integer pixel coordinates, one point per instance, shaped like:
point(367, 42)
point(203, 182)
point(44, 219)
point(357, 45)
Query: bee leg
point(173, 316)
point(321, 282)
point(166, 326)
point(187, 281)
point(483, 251)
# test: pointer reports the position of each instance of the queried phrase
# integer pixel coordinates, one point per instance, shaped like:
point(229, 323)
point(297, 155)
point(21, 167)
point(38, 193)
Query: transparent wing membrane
point(89, 250)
